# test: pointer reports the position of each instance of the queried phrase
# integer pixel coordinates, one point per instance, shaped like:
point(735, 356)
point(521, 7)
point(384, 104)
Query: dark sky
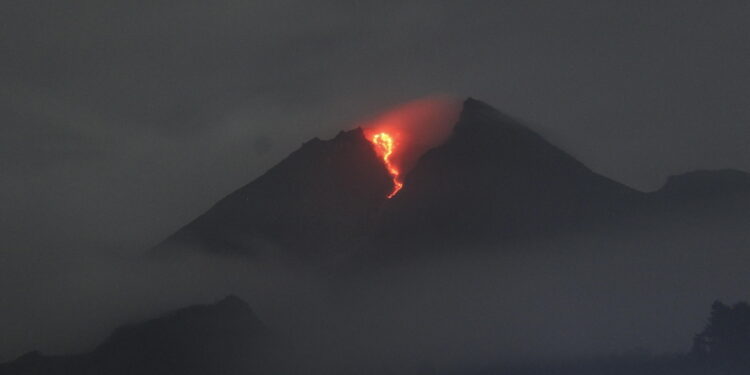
point(120, 121)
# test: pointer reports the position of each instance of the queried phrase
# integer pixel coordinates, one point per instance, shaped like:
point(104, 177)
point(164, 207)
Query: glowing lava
point(403, 133)
point(384, 146)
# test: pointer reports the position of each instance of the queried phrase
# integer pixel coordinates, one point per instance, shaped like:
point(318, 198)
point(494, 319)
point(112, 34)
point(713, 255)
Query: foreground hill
point(223, 338)
point(227, 338)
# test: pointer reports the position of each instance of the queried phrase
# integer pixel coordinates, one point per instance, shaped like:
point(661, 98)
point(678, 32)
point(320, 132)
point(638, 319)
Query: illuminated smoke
point(402, 134)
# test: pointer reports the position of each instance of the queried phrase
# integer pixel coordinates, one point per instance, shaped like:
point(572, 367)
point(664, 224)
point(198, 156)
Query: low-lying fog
point(573, 297)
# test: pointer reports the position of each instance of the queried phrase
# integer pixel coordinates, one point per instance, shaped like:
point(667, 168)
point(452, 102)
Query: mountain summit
point(493, 179)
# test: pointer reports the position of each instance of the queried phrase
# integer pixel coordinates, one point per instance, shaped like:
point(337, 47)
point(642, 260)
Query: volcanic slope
point(494, 179)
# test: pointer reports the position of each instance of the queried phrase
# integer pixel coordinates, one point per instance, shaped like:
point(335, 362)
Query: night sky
point(120, 121)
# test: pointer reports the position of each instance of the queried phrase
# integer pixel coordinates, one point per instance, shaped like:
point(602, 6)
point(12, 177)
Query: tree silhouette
point(725, 341)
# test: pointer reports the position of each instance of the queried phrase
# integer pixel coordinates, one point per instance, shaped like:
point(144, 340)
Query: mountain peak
point(482, 128)
point(496, 177)
point(232, 302)
point(478, 113)
point(354, 135)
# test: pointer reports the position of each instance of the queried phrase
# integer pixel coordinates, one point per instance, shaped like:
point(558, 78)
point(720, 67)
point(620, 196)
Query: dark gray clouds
point(119, 121)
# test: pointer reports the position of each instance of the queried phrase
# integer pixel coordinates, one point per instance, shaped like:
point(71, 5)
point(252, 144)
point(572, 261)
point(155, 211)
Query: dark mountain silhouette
point(227, 338)
point(324, 193)
point(223, 338)
point(496, 178)
point(493, 179)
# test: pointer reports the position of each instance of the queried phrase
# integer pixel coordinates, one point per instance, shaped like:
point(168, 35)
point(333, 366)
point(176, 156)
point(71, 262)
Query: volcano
point(493, 179)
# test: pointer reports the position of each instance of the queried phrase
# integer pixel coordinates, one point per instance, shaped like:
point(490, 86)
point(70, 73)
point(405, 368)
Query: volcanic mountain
point(493, 179)
point(497, 178)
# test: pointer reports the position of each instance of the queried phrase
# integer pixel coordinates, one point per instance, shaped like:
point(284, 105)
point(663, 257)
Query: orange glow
point(401, 135)
point(385, 146)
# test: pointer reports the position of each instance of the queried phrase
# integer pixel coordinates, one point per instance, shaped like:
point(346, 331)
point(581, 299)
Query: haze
point(120, 122)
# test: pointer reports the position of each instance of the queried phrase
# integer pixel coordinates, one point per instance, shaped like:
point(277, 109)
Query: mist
point(578, 296)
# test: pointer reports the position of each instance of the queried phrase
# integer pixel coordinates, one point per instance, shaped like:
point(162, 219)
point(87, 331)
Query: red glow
point(402, 134)
point(385, 146)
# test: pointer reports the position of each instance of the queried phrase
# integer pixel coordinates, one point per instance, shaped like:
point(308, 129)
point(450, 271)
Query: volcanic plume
point(401, 135)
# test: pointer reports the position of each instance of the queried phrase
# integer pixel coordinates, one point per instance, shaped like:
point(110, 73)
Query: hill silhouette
point(227, 338)
point(223, 338)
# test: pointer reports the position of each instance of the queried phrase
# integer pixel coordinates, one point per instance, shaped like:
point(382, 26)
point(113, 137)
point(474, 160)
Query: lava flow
point(402, 134)
point(384, 146)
